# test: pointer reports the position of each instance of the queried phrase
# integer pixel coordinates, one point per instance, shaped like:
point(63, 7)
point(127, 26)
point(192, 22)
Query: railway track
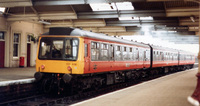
point(57, 100)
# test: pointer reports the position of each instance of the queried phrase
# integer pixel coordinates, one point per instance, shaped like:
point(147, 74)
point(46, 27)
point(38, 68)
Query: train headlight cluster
point(69, 68)
point(42, 67)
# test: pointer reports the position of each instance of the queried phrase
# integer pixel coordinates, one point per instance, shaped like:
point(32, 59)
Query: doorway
point(28, 54)
point(28, 59)
point(2, 49)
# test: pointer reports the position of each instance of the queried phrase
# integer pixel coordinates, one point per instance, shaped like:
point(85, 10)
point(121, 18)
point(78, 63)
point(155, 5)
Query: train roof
point(164, 48)
point(172, 50)
point(186, 52)
point(78, 32)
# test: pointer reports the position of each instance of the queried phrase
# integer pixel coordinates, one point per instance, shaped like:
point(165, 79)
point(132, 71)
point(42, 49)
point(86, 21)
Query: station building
point(18, 39)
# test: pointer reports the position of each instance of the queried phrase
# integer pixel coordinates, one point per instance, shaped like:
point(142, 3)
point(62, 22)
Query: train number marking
point(95, 67)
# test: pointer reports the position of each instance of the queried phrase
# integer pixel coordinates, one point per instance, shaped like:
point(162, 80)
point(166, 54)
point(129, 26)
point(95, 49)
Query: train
point(72, 57)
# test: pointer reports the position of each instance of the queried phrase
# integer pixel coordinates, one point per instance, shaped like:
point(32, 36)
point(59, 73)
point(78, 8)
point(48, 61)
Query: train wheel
point(96, 85)
point(47, 85)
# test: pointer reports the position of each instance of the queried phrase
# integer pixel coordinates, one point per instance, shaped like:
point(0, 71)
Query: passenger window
point(95, 51)
point(133, 57)
point(131, 49)
point(124, 49)
point(104, 52)
point(130, 55)
point(137, 55)
point(125, 57)
point(141, 54)
point(162, 56)
point(154, 55)
point(118, 53)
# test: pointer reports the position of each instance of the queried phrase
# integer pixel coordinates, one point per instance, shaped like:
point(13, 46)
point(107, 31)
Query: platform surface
point(10, 74)
point(170, 90)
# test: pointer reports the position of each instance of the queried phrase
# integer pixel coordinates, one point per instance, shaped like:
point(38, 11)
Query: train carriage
point(105, 55)
point(164, 57)
point(86, 52)
point(186, 59)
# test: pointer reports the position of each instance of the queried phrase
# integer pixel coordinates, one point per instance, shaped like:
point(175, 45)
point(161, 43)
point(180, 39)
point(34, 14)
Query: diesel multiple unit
point(83, 59)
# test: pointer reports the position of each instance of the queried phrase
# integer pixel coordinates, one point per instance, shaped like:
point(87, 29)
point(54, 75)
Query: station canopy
point(173, 20)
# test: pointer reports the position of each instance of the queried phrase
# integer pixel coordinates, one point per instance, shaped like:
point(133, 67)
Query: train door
point(146, 58)
point(111, 55)
point(179, 57)
point(86, 57)
point(2, 48)
point(141, 57)
point(136, 57)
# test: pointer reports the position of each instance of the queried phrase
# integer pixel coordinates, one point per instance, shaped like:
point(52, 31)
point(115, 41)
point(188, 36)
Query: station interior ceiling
point(177, 20)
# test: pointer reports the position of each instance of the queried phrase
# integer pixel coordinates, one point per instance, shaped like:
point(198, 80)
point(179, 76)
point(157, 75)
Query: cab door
point(86, 57)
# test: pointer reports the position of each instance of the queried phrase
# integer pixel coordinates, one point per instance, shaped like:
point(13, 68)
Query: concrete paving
point(8, 74)
point(170, 90)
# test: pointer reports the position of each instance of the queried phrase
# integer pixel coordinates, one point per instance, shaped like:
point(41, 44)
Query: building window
point(16, 44)
point(1, 35)
point(28, 38)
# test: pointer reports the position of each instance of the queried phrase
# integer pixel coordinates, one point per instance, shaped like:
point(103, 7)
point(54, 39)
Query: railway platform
point(170, 90)
point(10, 76)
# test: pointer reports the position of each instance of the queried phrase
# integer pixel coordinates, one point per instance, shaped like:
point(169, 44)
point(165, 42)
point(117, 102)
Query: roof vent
point(60, 31)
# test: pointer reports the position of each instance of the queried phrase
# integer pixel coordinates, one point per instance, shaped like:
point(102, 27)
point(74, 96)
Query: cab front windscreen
point(52, 48)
